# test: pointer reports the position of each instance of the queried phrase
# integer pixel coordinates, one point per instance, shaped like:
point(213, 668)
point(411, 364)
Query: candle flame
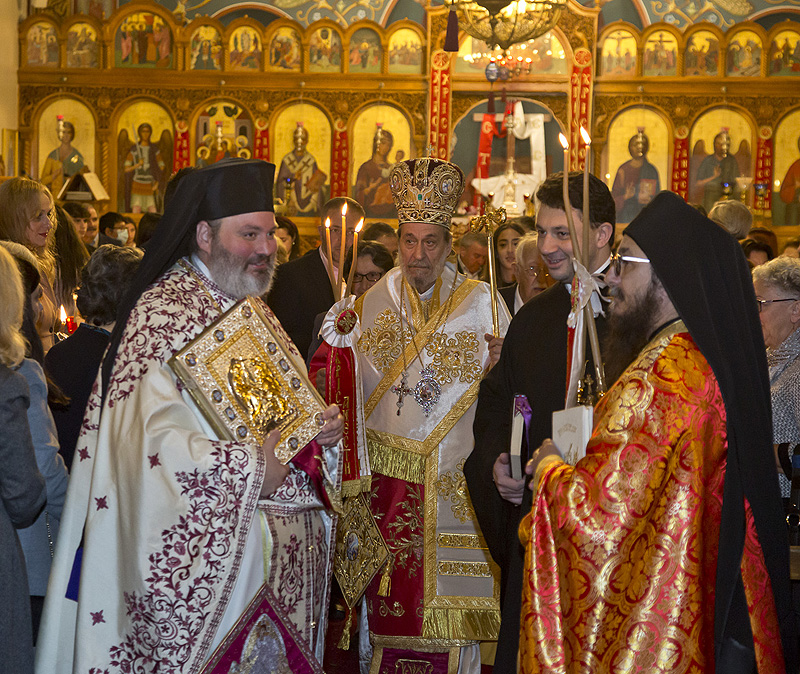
point(344, 209)
point(327, 223)
point(62, 314)
point(563, 140)
point(587, 139)
point(360, 225)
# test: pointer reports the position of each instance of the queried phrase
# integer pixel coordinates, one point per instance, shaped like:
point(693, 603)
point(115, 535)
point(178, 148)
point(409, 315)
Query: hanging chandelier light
point(502, 24)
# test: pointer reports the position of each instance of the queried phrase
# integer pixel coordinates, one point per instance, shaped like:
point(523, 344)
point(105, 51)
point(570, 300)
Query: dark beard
point(628, 333)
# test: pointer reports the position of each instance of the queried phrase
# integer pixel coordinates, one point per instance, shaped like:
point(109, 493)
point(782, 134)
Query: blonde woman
point(27, 216)
point(22, 488)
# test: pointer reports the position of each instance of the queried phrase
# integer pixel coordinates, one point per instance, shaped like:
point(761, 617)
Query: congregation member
point(147, 227)
point(470, 256)
point(422, 354)
point(777, 287)
point(80, 217)
point(734, 216)
point(382, 233)
point(506, 238)
point(665, 547)
point(287, 232)
point(169, 530)
point(113, 229)
point(531, 274)
point(92, 235)
point(23, 487)
point(757, 252)
point(302, 288)
point(790, 248)
point(27, 217)
point(533, 363)
point(70, 257)
point(73, 362)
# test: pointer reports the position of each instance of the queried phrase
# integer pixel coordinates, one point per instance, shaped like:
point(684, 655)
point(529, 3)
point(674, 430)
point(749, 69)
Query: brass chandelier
point(502, 24)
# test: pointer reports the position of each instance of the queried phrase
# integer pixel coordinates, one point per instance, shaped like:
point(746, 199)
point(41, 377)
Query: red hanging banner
point(261, 141)
point(181, 157)
point(488, 132)
point(580, 102)
point(680, 163)
point(763, 200)
point(439, 112)
point(340, 160)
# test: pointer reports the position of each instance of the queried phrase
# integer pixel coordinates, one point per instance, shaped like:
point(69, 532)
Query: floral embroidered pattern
point(455, 358)
point(290, 576)
point(185, 575)
point(452, 486)
point(382, 342)
point(406, 532)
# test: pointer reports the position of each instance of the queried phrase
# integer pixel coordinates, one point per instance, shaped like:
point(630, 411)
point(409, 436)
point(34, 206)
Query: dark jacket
point(301, 291)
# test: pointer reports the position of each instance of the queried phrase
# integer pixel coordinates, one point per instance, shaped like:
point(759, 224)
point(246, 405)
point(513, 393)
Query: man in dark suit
point(302, 289)
point(533, 362)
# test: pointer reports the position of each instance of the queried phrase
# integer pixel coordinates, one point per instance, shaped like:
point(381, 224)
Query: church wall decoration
point(701, 55)
point(660, 55)
point(55, 157)
point(42, 45)
point(618, 54)
point(223, 128)
point(365, 52)
point(182, 154)
point(143, 40)
point(205, 48)
point(744, 53)
point(325, 50)
point(544, 55)
point(380, 137)
point(144, 161)
point(722, 146)
point(340, 159)
point(784, 54)
point(301, 138)
point(581, 83)
point(245, 47)
point(440, 95)
point(261, 148)
point(783, 182)
point(635, 162)
point(83, 47)
point(764, 172)
point(285, 51)
point(406, 52)
point(680, 162)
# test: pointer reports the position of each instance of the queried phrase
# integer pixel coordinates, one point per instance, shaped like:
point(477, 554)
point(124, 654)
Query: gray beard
point(229, 274)
point(436, 272)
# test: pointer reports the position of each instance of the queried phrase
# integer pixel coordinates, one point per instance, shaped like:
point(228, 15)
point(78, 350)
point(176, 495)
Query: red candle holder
point(72, 324)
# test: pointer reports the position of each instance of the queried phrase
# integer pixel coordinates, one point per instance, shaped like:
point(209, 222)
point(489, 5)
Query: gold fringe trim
point(395, 462)
point(385, 586)
point(357, 486)
point(466, 541)
point(344, 642)
point(452, 623)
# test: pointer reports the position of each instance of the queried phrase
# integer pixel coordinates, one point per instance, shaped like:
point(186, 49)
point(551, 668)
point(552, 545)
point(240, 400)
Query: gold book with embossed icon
point(360, 549)
point(247, 381)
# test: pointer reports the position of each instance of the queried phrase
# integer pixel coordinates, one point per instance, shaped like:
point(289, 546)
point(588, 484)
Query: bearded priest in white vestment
point(169, 532)
point(425, 345)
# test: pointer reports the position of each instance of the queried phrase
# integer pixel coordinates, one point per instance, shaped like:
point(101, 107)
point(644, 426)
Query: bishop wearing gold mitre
point(422, 353)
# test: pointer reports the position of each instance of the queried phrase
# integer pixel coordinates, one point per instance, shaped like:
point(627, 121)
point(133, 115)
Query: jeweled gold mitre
point(426, 190)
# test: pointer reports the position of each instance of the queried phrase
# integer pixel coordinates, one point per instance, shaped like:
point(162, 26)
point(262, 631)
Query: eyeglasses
point(370, 276)
point(539, 272)
point(761, 303)
point(617, 260)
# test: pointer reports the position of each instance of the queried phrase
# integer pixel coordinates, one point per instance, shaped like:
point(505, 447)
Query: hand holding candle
point(353, 257)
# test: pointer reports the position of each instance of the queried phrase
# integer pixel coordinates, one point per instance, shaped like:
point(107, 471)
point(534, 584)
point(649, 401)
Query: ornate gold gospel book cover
point(242, 378)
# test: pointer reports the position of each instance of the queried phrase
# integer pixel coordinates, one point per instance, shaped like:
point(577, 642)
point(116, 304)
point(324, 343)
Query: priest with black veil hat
point(665, 547)
point(169, 531)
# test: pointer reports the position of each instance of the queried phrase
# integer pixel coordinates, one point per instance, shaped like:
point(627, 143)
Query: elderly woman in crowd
point(22, 487)
point(27, 216)
point(73, 363)
point(777, 285)
point(530, 272)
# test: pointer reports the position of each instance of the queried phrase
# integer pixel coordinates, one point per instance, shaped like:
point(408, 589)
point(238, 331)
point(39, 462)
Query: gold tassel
point(344, 642)
point(386, 580)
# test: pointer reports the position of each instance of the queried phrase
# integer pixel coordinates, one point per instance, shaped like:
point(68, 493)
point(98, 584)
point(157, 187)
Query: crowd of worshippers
point(174, 548)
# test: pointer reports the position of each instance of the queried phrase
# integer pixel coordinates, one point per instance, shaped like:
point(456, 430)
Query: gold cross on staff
point(489, 222)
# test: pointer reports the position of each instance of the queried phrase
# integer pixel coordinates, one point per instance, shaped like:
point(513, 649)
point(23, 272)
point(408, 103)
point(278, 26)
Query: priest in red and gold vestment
point(664, 549)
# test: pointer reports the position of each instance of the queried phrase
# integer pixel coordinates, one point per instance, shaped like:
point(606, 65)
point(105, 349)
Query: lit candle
point(342, 249)
point(330, 258)
point(565, 190)
point(353, 257)
point(587, 141)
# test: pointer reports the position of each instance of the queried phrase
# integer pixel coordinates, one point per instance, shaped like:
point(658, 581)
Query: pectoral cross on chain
point(402, 391)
